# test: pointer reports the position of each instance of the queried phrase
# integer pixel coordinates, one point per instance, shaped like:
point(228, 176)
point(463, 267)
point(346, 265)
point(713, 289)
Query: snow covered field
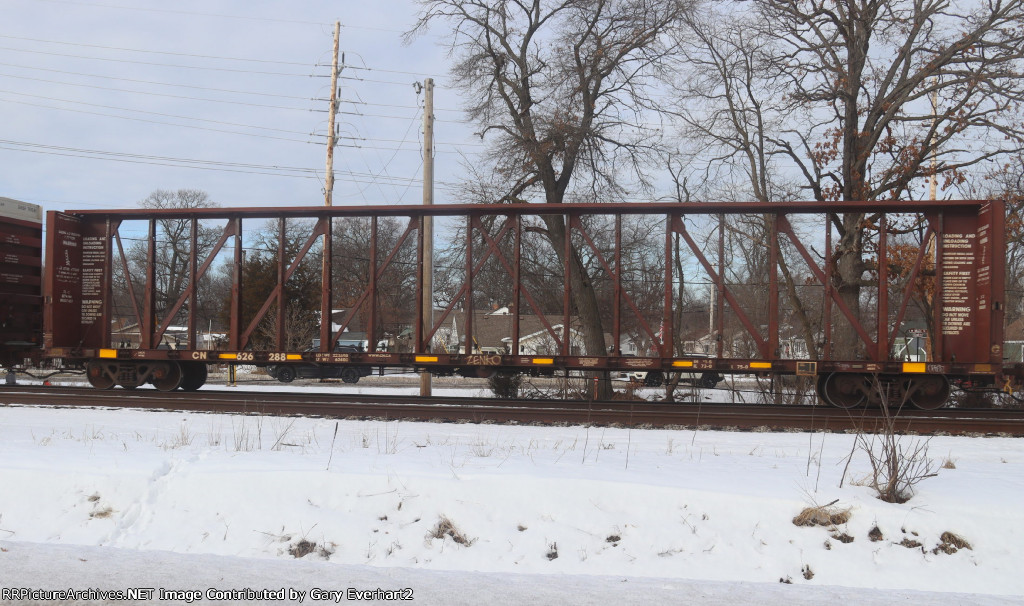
point(466, 513)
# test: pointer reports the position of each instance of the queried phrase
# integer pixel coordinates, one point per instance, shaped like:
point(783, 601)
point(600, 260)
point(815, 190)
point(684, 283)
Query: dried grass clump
point(875, 534)
point(102, 513)
point(951, 543)
point(822, 515)
point(305, 547)
point(842, 537)
point(302, 549)
point(445, 528)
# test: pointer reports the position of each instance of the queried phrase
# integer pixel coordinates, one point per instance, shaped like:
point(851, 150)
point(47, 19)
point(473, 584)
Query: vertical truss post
point(882, 313)
point(517, 283)
point(667, 336)
point(421, 306)
point(128, 280)
point(149, 295)
point(997, 236)
point(617, 289)
point(235, 340)
point(371, 323)
point(193, 282)
point(567, 278)
point(773, 288)
point(282, 301)
point(720, 286)
point(326, 285)
point(826, 322)
point(469, 284)
point(107, 284)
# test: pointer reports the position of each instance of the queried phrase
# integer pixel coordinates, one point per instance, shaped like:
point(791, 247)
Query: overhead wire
point(378, 178)
point(190, 86)
point(384, 168)
point(183, 12)
point(360, 102)
point(192, 126)
point(153, 52)
point(157, 64)
point(165, 95)
point(206, 128)
point(191, 163)
point(142, 111)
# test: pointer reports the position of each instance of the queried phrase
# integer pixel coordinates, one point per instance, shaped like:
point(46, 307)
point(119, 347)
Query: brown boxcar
point(21, 245)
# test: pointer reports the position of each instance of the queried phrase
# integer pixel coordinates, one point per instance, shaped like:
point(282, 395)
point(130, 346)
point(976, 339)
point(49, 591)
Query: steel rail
point(446, 409)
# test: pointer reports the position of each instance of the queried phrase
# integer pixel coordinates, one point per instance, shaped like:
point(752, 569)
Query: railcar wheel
point(928, 392)
point(708, 380)
point(844, 390)
point(654, 378)
point(167, 377)
point(286, 374)
point(193, 375)
point(349, 375)
point(98, 375)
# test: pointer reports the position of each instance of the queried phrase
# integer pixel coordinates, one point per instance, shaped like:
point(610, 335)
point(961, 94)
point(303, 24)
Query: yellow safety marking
point(426, 358)
point(293, 356)
point(760, 364)
point(543, 360)
point(914, 367)
point(228, 356)
point(108, 353)
point(683, 364)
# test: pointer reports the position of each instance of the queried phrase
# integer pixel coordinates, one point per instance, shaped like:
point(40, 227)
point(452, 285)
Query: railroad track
point(456, 409)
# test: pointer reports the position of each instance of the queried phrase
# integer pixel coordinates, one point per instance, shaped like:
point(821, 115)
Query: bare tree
point(173, 250)
point(561, 89)
point(1007, 182)
point(843, 90)
point(351, 248)
point(301, 296)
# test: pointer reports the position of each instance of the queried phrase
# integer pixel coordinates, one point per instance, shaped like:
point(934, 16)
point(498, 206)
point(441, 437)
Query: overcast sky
point(104, 101)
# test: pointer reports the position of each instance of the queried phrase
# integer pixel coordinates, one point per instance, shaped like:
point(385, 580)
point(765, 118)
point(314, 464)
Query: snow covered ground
point(465, 514)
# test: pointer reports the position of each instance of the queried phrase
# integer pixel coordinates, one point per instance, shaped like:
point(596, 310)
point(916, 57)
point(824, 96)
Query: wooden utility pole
point(428, 222)
point(331, 142)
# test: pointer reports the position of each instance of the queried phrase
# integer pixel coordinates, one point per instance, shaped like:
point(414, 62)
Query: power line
point(222, 15)
point(165, 95)
point(154, 63)
point(270, 170)
point(152, 160)
point(142, 111)
point(384, 168)
point(217, 130)
point(153, 52)
point(358, 79)
point(206, 88)
point(181, 12)
point(376, 69)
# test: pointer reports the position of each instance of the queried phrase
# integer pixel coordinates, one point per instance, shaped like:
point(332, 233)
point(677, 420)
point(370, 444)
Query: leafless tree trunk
point(842, 90)
point(561, 89)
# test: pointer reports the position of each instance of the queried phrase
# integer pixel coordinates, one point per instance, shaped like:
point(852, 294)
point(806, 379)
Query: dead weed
point(822, 515)
point(951, 543)
point(445, 528)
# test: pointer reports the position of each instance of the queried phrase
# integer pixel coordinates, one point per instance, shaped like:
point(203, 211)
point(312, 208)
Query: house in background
point(125, 335)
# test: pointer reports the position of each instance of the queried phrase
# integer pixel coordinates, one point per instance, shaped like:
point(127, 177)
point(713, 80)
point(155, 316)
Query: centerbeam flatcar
point(965, 268)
